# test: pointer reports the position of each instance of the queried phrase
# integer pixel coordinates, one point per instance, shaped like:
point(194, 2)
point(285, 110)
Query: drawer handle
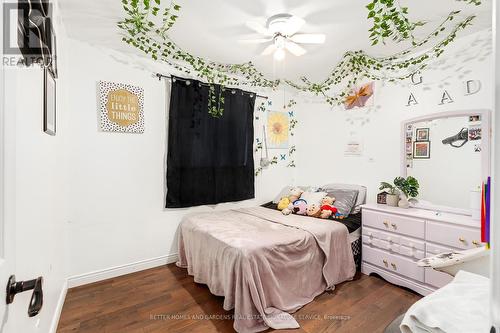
point(393, 265)
point(386, 223)
point(394, 225)
point(475, 242)
point(461, 239)
point(385, 262)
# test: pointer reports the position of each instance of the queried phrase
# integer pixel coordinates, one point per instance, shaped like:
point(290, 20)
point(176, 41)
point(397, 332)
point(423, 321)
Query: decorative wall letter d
point(411, 100)
point(446, 98)
point(472, 87)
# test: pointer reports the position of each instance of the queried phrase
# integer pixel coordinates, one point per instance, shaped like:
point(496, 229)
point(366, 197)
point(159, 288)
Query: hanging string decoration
point(141, 32)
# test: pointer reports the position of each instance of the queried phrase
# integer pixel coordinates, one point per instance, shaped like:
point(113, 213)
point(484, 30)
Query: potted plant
point(409, 187)
point(392, 198)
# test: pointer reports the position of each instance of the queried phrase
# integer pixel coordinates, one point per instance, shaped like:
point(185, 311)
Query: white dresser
point(395, 238)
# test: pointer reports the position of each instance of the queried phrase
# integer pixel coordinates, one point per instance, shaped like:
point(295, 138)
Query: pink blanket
point(265, 264)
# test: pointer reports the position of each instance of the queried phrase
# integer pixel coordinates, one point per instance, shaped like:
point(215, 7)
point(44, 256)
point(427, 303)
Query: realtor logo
point(28, 35)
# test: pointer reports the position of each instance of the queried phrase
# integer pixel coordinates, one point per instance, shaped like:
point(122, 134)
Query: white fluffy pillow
point(313, 197)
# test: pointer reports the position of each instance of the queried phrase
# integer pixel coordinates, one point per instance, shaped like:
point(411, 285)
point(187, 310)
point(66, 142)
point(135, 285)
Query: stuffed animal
point(327, 211)
point(339, 216)
point(283, 203)
point(313, 210)
point(300, 207)
point(325, 214)
point(295, 194)
point(288, 210)
point(327, 208)
point(327, 200)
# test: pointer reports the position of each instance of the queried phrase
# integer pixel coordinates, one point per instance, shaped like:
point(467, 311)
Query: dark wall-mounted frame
point(420, 156)
point(418, 134)
point(49, 102)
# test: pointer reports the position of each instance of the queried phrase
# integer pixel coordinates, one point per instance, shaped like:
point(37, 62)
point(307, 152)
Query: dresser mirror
point(449, 154)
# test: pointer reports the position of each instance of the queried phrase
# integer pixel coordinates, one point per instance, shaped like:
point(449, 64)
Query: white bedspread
point(459, 307)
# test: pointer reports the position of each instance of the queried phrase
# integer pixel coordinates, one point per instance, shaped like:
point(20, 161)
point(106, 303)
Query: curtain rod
point(169, 77)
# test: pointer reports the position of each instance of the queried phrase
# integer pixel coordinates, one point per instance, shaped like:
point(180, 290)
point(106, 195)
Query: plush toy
point(327, 211)
point(300, 207)
point(327, 208)
point(288, 210)
point(283, 203)
point(313, 210)
point(327, 200)
point(295, 194)
point(339, 216)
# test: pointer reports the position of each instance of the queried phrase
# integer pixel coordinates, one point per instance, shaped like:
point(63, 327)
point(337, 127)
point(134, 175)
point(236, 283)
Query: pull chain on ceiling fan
point(282, 31)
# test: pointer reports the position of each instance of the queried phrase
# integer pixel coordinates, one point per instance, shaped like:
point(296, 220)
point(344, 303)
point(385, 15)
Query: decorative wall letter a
point(411, 100)
point(446, 98)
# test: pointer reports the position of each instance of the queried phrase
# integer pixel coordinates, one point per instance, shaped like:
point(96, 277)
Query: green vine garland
point(390, 20)
point(141, 32)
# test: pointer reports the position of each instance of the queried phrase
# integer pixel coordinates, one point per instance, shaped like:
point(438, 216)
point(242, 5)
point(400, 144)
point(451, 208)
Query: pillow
point(313, 197)
point(285, 191)
point(345, 200)
point(361, 199)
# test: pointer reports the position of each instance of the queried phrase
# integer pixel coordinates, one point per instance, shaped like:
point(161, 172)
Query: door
point(7, 255)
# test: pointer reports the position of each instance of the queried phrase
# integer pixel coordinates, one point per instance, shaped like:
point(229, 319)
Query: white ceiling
point(211, 28)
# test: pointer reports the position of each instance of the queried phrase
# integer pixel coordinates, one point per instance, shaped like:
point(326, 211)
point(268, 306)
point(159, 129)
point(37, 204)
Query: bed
point(268, 265)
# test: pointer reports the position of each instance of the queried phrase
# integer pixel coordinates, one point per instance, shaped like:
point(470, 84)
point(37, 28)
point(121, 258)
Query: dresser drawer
point(381, 239)
point(453, 235)
point(411, 252)
point(382, 235)
point(393, 263)
point(433, 249)
point(412, 243)
point(437, 279)
point(394, 223)
point(433, 277)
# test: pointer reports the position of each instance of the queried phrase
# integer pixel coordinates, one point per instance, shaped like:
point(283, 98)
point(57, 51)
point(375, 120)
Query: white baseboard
point(108, 273)
point(59, 307)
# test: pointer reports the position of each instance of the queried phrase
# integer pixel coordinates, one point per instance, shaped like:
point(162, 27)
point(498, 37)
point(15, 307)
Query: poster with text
point(121, 107)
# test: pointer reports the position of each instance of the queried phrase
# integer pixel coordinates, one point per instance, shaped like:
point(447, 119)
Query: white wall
point(116, 181)
point(37, 174)
point(324, 132)
point(495, 226)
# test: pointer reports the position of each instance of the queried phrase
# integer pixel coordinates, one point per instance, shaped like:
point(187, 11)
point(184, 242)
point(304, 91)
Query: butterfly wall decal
point(359, 96)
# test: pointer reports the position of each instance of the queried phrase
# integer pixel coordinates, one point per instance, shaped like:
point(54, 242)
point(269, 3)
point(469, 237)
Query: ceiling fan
point(282, 31)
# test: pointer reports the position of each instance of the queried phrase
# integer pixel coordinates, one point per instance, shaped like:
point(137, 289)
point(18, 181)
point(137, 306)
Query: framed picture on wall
point(49, 102)
point(421, 149)
point(422, 134)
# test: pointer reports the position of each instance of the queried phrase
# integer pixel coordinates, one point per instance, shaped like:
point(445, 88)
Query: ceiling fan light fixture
point(279, 54)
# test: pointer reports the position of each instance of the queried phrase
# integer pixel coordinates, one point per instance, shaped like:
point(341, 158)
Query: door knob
point(36, 301)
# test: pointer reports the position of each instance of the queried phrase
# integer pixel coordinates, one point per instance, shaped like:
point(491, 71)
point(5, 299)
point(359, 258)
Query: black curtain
point(209, 159)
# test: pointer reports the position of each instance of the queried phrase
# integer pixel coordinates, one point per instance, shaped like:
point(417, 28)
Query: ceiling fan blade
point(255, 41)
point(308, 38)
point(295, 49)
point(259, 28)
point(293, 25)
point(268, 50)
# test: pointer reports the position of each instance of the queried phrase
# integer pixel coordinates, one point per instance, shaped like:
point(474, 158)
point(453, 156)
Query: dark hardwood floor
point(141, 302)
